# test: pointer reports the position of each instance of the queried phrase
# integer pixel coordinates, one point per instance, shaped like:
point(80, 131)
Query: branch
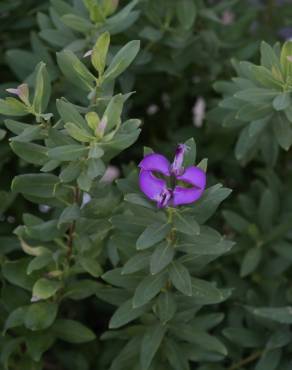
point(246, 360)
point(72, 226)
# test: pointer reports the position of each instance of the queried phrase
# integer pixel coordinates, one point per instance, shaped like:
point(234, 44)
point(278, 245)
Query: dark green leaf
point(161, 257)
point(40, 315)
point(152, 235)
point(150, 344)
point(72, 331)
point(180, 278)
point(148, 289)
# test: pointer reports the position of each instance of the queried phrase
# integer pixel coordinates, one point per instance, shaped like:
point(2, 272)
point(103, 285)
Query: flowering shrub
point(149, 243)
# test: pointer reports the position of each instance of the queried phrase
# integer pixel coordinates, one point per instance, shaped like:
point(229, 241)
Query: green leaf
point(40, 315)
point(12, 107)
point(42, 89)
point(9, 347)
point(70, 172)
point(282, 101)
point(251, 112)
point(69, 113)
point(44, 231)
point(200, 338)
point(186, 13)
point(95, 151)
point(269, 360)
point(256, 95)
point(15, 273)
point(138, 199)
point(279, 338)
point(191, 153)
point(136, 263)
point(100, 51)
point(237, 222)
point(95, 12)
point(148, 288)
point(269, 58)
point(91, 265)
point(15, 319)
point(245, 144)
point(256, 127)
point(78, 133)
point(69, 214)
point(174, 354)
point(112, 114)
point(283, 131)
point(40, 185)
point(38, 343)
point(77, 23)
point(125, 314)
point(286, 64)
point(281, 315)
point(96, 168)
point(186, 224)
point(2, 134)
point(39, 262)
point(180, 278)
point(207, 243)
point(161, 257)
point(68, 152)
point(204, 292)
point(165, 306)
point(153, 234)
point(243, 337)
point(209, 202)
point(266, 78)
point(75, 71)
point(268, 209)
point(250, 261)
point(81, 289)
point(115, 277)
point(150, 344)
point(72, 331)
point(45, 288)
point(84, 181)
point(122, 60)
point(30, 152)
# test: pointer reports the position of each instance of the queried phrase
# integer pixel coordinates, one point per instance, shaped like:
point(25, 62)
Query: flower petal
point(151, 186)
point(176, 167)
point(155, 162)
point(194, 176)
point(185, 196)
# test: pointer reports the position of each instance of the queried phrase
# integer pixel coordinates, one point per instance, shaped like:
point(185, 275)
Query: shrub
point(116, 252)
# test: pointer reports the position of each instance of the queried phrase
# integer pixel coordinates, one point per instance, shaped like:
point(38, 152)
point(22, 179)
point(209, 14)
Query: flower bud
point(22, 92)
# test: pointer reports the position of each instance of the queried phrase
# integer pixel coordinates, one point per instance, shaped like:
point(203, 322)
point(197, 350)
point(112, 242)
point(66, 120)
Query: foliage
point(93, 274)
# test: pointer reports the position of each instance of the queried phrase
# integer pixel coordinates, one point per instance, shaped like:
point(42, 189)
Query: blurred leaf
point(40, 315)
point(150, 344)
point(72, 331)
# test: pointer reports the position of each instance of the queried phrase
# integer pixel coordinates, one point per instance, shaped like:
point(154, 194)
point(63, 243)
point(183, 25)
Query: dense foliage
point(95, 276)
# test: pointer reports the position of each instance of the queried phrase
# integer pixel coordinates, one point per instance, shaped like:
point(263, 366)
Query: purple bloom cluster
point(159, 190)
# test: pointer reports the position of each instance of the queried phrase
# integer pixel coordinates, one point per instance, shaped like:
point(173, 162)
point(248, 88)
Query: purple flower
point(285, 33)
point(175, 185)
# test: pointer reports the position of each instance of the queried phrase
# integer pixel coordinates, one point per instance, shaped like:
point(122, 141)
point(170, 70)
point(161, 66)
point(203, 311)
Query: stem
point(72, 226)
point(246, 360)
